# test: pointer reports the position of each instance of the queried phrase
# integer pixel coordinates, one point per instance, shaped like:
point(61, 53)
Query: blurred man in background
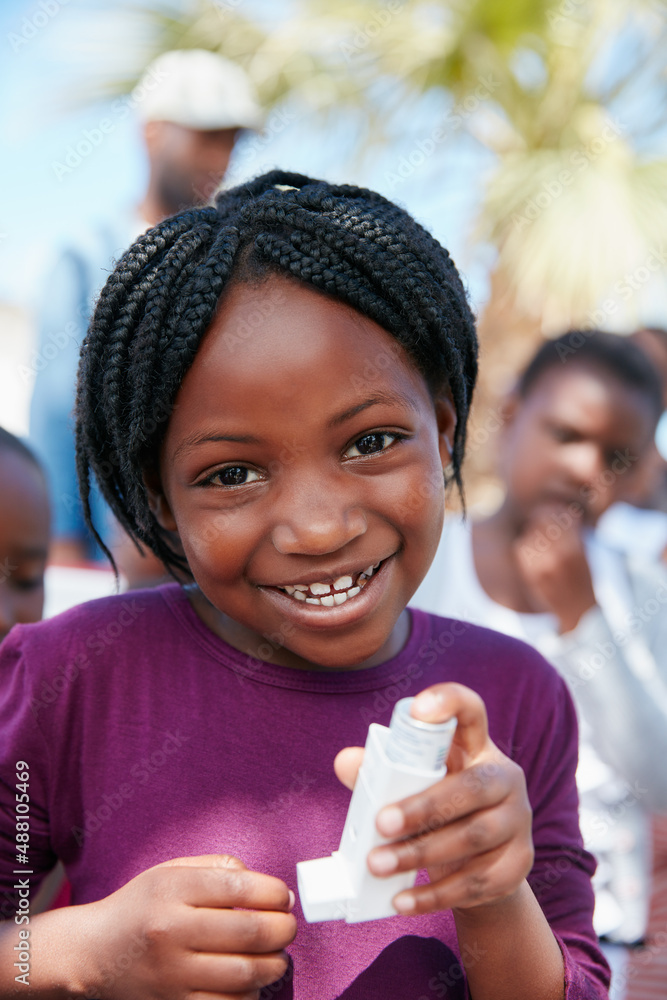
point(193, 105)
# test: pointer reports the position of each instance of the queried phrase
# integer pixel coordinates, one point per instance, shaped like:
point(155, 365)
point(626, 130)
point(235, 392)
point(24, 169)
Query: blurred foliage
point(570, 96)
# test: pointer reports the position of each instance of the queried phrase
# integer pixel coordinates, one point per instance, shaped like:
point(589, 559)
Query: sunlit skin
point(577, 443)
point(309, 507)
point(24, 540)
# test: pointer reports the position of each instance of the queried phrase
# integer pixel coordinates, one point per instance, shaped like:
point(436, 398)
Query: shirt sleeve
point(21, 740)
point(562, 870)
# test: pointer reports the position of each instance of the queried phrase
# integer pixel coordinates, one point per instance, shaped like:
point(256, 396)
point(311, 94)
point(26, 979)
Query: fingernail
point(292, 901)
point(404, 903)
point(390, 821)
point(427, 704)
point(382, 862)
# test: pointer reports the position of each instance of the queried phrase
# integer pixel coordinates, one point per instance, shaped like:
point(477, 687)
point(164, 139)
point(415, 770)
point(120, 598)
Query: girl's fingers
point(228, 887)
point(484, 879)
point(451, 845)
point(443, 701)
point(251, 932)
point(435, 704)
point(347, 764)
point(223, 974)
point(484, 784)
point(203, 861)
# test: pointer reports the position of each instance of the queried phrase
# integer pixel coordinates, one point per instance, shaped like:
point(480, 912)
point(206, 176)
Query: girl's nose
point(316, 522)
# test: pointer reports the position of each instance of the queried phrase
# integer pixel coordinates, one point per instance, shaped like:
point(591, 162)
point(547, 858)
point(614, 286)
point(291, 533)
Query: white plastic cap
point(198, 89)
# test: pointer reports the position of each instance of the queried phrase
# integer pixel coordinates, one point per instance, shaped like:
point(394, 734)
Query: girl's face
point(304, 449)
point(580, 437)
point(24, 540)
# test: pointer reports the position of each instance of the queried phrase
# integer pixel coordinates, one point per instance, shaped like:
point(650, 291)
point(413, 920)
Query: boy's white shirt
point(615, 662)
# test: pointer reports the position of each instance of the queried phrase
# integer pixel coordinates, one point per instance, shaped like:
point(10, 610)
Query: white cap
point(198, 89)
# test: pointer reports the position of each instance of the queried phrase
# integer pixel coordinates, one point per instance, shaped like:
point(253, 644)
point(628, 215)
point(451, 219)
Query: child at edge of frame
point(269, 392)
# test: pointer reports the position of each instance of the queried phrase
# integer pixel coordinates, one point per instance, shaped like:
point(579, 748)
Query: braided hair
point(348, 242)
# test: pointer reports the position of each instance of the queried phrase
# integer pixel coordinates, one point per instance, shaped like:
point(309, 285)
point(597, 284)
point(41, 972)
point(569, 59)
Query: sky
point(53, 54)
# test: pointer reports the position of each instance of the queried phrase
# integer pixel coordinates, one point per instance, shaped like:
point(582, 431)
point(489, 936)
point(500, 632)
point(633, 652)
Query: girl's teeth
point(343, 588)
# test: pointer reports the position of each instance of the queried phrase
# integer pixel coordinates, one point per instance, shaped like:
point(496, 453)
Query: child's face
point(304, 448)
point(24, 540)
point(579, 436)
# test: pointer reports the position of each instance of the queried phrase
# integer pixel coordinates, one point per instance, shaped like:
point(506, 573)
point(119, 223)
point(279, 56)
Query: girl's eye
point(370, 444)
point(233, 475)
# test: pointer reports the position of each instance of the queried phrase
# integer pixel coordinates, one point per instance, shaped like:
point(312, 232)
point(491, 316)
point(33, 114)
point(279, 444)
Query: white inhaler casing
point(399, 761)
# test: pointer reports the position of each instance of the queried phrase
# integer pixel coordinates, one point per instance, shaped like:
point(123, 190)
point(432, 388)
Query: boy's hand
point(471, 830)
point(173, 932)
point(551, 558)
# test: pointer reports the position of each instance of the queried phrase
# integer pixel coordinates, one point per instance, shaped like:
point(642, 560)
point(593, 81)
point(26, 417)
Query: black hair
point(350, 243)
point(9, 442)
point(614, 353)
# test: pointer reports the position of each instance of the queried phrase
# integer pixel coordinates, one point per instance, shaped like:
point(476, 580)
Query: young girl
point(578, 432)
point(269, 393)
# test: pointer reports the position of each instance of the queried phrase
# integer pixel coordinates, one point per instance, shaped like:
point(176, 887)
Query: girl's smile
point(302, 469)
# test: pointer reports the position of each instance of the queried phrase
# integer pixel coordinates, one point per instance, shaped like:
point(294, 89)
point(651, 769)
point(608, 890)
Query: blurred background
point(529, 137)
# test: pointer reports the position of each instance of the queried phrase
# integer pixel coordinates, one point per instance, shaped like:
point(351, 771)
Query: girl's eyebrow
point(195, 439)
point(380, 398)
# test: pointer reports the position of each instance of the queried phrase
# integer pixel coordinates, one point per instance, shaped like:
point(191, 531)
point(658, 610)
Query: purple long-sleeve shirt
point(148, 738)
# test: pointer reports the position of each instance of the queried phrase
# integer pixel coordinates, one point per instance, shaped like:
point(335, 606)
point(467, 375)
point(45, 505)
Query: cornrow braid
point(350, 243)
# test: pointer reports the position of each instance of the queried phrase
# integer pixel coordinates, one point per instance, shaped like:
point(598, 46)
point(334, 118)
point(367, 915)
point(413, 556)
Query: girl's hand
point(471, 830)
point(173, 932)
point(551, 558)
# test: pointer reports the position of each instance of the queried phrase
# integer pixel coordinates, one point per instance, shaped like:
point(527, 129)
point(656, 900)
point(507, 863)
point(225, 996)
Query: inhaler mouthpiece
point(402, 760)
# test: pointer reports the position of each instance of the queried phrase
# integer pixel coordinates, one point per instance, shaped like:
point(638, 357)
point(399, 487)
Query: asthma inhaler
point(399, 761)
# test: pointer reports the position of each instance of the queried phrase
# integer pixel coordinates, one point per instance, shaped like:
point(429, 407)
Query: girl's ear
point(157, 500)
point(445, 414)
